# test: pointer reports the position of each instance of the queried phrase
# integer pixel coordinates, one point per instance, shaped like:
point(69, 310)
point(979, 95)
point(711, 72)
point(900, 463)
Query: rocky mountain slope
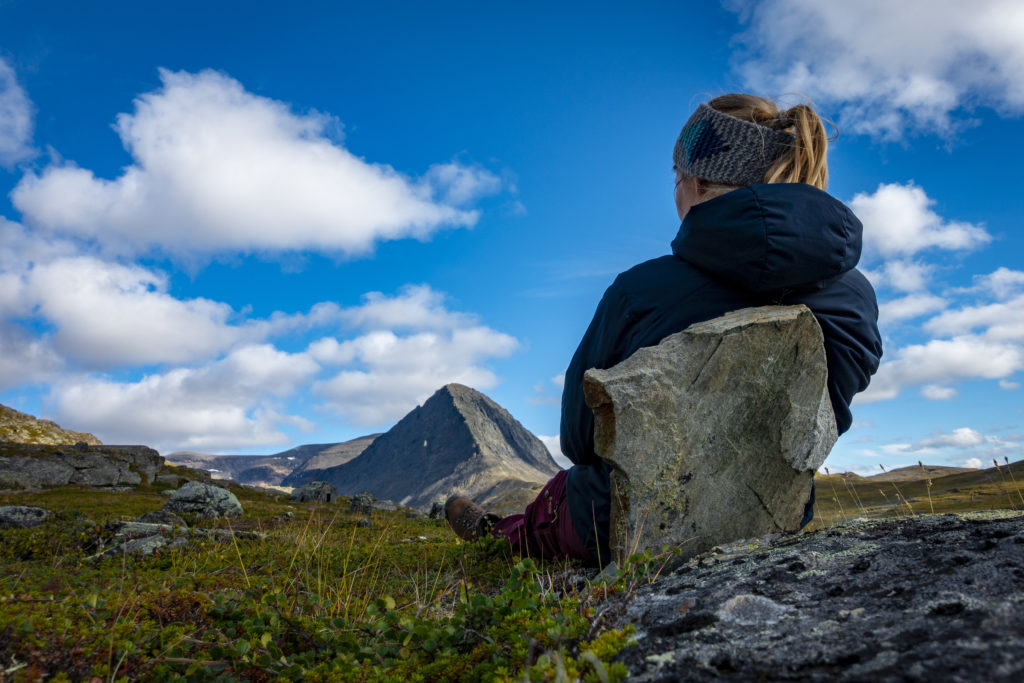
point(20, 427)
point(293, 467)
point(934, 598)
point(458, 441)
point(326, 456)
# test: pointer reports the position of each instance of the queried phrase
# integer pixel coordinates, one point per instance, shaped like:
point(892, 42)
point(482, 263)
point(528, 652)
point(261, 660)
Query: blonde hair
point(806, 162)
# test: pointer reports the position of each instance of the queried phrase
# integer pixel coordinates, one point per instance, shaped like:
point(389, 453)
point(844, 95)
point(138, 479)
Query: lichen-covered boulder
point(361, 503)
point(715, 433)
point(23, 516)
point(314, 492)
point(204, 500)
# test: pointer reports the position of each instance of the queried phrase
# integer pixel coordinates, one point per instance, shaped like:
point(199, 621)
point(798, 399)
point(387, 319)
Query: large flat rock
point(30, 466)
point(714, 434)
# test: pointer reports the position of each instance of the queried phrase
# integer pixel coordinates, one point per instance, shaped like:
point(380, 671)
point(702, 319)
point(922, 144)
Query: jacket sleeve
point(604, 344)
point(847, 312)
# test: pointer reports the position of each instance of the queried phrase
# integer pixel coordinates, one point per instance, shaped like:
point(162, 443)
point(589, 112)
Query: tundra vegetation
point(322, 598)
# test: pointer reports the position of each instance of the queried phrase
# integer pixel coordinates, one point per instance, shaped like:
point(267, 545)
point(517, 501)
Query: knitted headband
point(724, 149)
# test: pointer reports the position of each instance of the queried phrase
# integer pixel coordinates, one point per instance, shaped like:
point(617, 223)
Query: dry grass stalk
point(1013, 479)
point(899, 494)
point(928, 483)
point(1002, 476)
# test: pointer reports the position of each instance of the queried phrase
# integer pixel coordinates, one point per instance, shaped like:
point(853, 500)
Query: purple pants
point(545, 530)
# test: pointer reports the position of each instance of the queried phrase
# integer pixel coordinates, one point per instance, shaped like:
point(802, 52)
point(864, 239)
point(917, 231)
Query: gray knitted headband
point(724, 149)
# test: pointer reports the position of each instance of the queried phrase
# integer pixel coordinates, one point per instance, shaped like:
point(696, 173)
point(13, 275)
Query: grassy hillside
point(845, 496)
point(23, 428)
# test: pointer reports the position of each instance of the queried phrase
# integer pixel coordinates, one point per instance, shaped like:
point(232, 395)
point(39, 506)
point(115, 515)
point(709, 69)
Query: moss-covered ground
point(319, 598)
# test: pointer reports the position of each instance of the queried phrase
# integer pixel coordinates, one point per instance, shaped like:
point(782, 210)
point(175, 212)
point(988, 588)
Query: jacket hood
point(772, 237)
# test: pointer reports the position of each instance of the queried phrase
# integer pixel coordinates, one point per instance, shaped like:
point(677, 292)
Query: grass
point(319, 598)
point(845, 496)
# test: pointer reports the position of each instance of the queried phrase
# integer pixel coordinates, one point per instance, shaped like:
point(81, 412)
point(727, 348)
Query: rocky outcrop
point(715, 433)
point(919, 599)
point(457, 441)
point(29, 466)
point(23, 516)
point(314, 492)
point(204, 500)
point(18, 427)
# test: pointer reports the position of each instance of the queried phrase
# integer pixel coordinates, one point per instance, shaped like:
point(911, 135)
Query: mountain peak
point(459, 440)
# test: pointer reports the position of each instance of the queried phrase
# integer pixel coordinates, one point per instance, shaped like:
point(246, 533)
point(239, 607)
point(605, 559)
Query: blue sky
point(237, 227)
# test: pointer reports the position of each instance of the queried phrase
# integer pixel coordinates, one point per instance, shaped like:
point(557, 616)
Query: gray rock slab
point(204, 500)
point(714, 434)
point(162, 517)
point(26, 466)
point(23, 516)
point(935, 598)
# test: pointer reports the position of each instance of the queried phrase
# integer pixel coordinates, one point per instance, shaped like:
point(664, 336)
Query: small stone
point(751, 610)
point(23, 516)
point(436, 510)
point(364, 523)
point(162, 517)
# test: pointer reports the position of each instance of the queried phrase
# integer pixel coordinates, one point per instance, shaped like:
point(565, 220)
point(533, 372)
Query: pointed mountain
point(458, 441)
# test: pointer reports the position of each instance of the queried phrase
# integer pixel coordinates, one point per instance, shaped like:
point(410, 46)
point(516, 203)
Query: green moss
point(318, 598)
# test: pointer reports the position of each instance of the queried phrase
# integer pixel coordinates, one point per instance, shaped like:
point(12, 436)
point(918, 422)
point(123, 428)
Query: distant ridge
point(325, 456)
point(19, 427)
point(458, 441)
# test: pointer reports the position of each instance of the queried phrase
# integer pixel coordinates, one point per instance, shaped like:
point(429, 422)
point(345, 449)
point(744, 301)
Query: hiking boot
point(467, 519)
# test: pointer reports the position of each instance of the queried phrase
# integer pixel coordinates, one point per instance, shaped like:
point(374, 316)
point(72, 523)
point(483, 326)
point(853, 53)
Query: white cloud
point(559, 380)
point(554, 446)
point(903, 276)
point(1008, 385)
point(1002, 283)
point(898, 221)
point(934, 392)
point(459, 185)
point(219, 406)
point(386, 374)
point(908, 307)
point(973, 463)
point(964, 437)
point(216, 168)
point(1000, 321)
point(888, 66)
point(942, 361)
point(15, 119)
point(25, 358)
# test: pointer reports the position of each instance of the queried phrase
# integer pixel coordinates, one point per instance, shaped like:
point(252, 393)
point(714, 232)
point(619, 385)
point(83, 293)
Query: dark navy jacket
point(777, 244)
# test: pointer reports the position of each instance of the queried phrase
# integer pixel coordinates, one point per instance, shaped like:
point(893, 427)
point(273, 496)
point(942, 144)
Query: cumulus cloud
point(15, 119)
point(222, 405)
point(972, 463)
point(386, 372)
point(942, 361)
point(216, 169)
point(1002, 283)
point(25, 358)
point(899, 221)
point(1007, 385)
point(908, 307)
point(963, 437)
point(934, 392)
point(998, 322)
point(887, 66)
